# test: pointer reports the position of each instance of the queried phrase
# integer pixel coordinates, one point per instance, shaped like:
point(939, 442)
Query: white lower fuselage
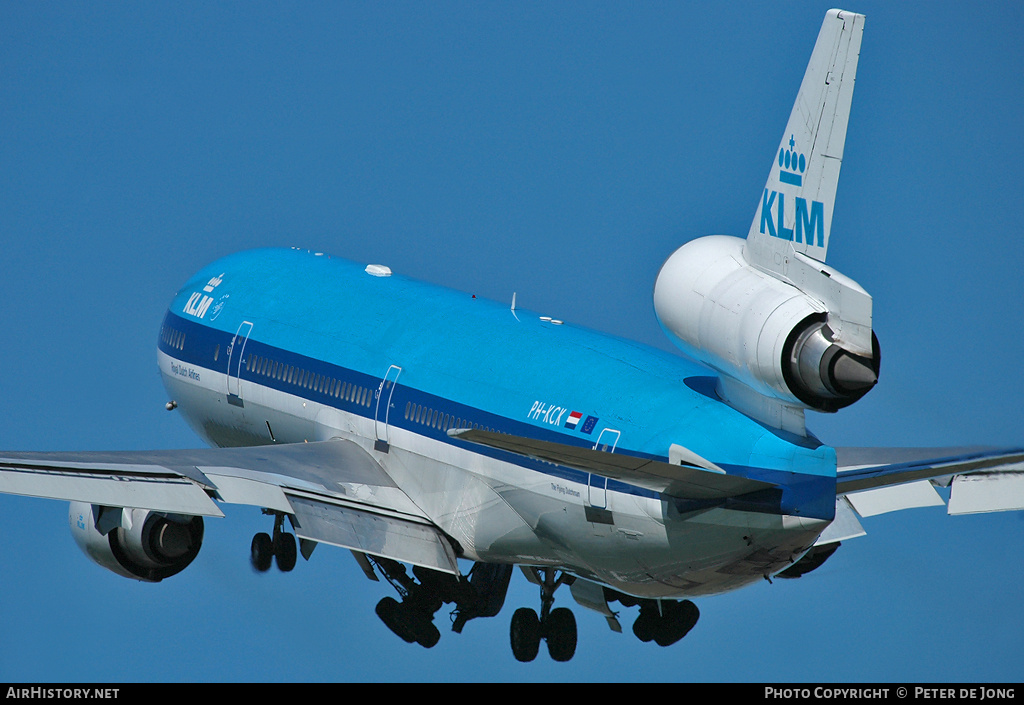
point(503, 512)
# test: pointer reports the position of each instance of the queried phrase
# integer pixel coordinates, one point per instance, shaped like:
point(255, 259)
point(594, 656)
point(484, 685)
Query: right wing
point(334, 491)
point(874, 481)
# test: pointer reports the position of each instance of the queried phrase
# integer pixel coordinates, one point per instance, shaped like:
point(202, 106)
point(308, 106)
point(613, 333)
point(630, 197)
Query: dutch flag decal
point(574, 419)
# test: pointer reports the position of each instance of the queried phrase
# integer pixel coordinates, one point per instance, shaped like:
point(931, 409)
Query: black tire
point(644, 627)
point(409, 624)
point(261, 553)
point(286, 552)
point(390, 612)
point(679, 619)
point(561, 634)
point(428, 635)
point(524, 633)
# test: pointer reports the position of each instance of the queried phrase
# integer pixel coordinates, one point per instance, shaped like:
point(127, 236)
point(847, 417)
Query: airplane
point(417, 426)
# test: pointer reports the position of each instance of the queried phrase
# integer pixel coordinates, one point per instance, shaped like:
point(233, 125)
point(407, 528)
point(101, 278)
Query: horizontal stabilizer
point(684, 481)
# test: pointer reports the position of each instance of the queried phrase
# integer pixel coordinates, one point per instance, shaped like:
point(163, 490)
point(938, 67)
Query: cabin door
point(383, 411)
point(236, 358)
point(598, 484)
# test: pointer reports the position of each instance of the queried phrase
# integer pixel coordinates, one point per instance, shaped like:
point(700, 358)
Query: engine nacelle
point(758, 329)
point(136, 543)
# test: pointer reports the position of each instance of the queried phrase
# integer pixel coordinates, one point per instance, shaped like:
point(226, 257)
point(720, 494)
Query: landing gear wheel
point(409, 624)
point(285, 552)
point(644, 627)
point(524, 634)
point(561, 634)
point(428, 635)
point(667, 624)
point(261, 552)
point(390, 612)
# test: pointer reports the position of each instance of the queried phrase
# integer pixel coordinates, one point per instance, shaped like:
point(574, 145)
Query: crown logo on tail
point(791, 165)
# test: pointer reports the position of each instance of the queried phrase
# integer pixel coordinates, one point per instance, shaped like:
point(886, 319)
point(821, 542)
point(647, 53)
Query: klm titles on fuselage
point(199, 303)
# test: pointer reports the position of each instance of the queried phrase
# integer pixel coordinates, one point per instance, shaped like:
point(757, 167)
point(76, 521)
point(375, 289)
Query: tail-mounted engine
point(803, 338)
point(136, 543)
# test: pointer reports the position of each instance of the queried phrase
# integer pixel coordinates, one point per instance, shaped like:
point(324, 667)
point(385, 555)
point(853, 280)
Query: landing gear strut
point(481, 594)
point(556, 627)
point(281, 547)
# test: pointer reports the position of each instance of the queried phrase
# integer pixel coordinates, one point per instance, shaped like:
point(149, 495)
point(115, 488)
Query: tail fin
point(795, 211)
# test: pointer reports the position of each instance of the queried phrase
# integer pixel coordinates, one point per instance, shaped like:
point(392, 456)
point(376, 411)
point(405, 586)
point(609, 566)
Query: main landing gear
point(556, 627)
point(281, 547)
point(662, 621)
point(481, 594)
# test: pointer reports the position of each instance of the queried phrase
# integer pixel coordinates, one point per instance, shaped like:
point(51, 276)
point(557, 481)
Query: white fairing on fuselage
point(502, 512)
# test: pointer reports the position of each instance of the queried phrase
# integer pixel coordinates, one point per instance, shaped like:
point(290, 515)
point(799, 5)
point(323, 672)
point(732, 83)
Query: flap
point(358, 529)
point(987, 492)
point(844, 526)
point(894, 498)
point(187, 481)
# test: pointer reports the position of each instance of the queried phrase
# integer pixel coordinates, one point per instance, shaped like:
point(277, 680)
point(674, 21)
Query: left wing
point(878, 480)
point(334, 491)
point(689, 476)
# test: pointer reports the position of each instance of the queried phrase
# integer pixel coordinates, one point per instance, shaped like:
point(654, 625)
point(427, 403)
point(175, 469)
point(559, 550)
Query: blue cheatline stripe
point(325, 383)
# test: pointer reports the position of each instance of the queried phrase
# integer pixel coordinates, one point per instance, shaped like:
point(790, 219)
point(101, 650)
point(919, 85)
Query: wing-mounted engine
point(783, 342)
point(136, 543)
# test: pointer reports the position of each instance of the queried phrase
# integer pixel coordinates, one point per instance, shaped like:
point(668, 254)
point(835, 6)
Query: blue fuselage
point(284, 346)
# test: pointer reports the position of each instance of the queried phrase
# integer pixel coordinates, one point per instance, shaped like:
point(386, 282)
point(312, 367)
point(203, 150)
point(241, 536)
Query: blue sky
point(558, 150)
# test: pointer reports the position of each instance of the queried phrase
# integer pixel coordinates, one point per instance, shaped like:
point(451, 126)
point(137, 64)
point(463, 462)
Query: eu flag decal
point(589, 424)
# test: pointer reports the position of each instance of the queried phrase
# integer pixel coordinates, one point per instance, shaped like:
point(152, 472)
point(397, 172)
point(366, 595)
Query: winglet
point(795, 209)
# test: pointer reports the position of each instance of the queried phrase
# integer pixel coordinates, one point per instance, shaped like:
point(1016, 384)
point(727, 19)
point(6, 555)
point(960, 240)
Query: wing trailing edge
point(873, 481)
point(693, 478)
point(334, 491)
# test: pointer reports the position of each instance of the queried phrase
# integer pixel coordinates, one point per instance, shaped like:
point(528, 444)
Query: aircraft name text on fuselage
point(563, 490)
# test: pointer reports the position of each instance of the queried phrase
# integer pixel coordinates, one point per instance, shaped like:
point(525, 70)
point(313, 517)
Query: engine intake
point(136, 543)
